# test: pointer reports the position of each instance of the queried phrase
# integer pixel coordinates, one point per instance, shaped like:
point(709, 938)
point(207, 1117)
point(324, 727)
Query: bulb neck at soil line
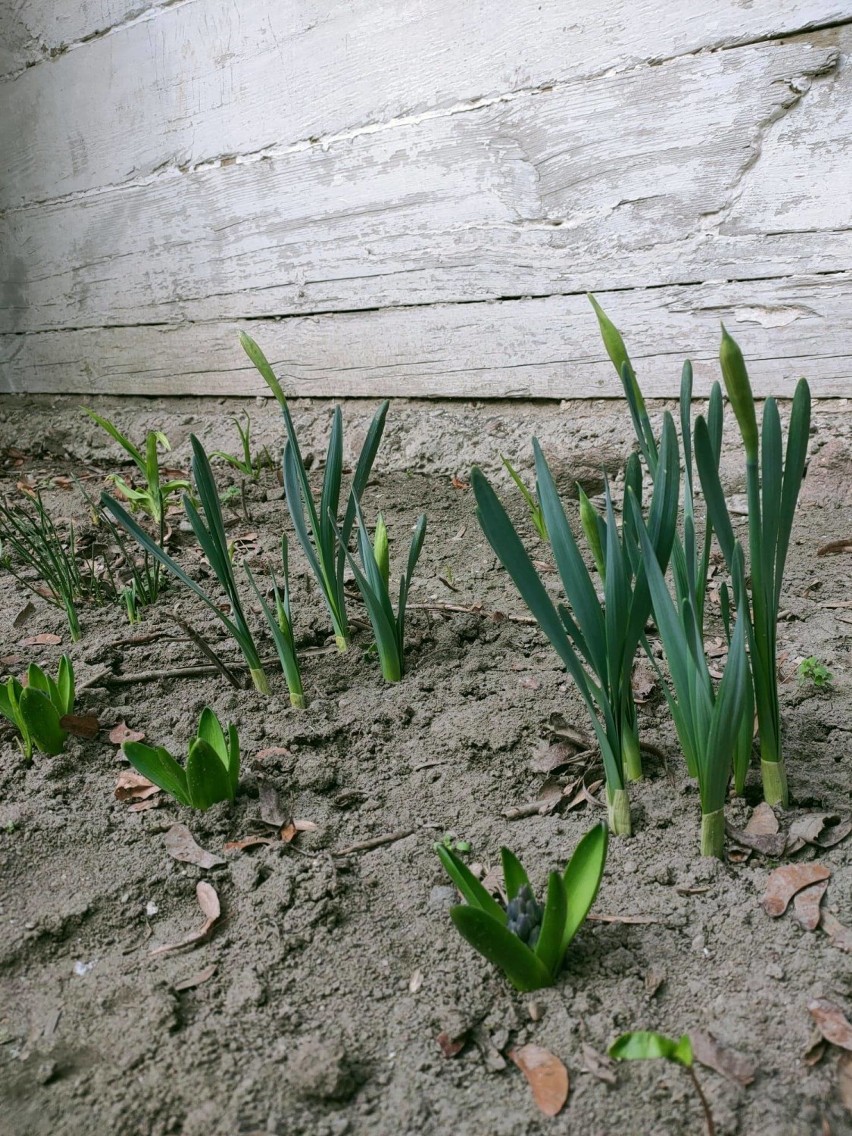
point(618, 813)
point(297, 700)
point(774, 777)
point(342, 643)
point(259, 680)
point(713, 834)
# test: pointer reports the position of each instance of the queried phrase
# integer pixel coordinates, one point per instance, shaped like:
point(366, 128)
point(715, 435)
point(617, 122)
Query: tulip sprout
point(210, 534)
point(212, 770)
point(526, 941)
point(596, 641)
point(773, 490)
point(280, 623)
point(316, 522)
point(536, 515)
point(37, 708)
point(247, 465)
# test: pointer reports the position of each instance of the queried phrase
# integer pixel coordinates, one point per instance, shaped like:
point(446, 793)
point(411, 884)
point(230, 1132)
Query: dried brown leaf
point(249, 842)
point(768, 844)
point(180, 845)
point(451, 1046)
point(208, 901)
point(598, 1064)
point(831, 1022)
point(548, 757)
point(763, 821)
point(272, 751)
point(81, 725)
point(123, 733)
point(806, 903)
point(46, 639)
point(841, 936)
point(143, 806)
point(196, 979)
point(271, 812)
point(292, 828)
point(844, 1080)
point(737, 1067)
point(784, 882)
point(547, 1077)
point(23, 615)
point(132, 786)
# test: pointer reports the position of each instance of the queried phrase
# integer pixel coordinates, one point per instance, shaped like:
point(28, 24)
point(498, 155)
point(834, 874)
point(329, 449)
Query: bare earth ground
point(335, 974)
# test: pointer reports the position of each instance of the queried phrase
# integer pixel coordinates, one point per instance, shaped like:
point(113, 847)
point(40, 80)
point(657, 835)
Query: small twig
point(708, 1115)
point(447, 584)
point(208, 652)
point(375, 842)
point(628, 920)
point(835, 546)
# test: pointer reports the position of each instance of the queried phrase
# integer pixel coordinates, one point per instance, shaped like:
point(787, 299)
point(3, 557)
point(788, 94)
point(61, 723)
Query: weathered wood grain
point(563, 192)
point(537, 348)
point(201, 80)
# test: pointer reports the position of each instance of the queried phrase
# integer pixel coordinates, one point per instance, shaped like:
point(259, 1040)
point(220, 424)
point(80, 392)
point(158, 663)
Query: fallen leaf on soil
point(784, 882)
point(123, 733)
point(841, 937)
point(196, 979)
point(81, 725)
point(835, 546)
point(548, 757)
point(132, 786)
point(249, 842)
point(767, 844)
point(291, 830)
point(23, 615)
point(821, 829)
point(272, 751)
point(763, 821)
point(10, 660)
point(457, 483)
point(46, 639)
point(585, 796)
point(547, 1077)
point(180, 845)
point(598, 1064)
point(831, 1022)
point(806, 903)
point(737, 1067)
point(451, 1046)
point(208, 901)
point(271, 812)
point(816, 1049)
point(143, 806)
point(529, 683)
point(844, 1080)
point(654, 979)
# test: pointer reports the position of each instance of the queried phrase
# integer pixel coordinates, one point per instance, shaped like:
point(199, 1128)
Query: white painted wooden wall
point(412, 197)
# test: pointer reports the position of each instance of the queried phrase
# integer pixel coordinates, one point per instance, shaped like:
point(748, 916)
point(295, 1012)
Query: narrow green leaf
point(794, 470)
point(117, 436)
point(514, 875)
point(501, 947)
point(711, 487)
point(210, 730)
point(469, 886)
point(159, 767)
point(65, 685)
point(41, 721)
point(551, 936)
point(583, 875)
point(260, 361)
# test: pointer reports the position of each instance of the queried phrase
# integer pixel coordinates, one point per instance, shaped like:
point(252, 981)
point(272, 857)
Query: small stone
point(630, 867)
point(318, 1070)
point(46, 1071)
point(773, 970)
point(699, 943)
point(536, 1011)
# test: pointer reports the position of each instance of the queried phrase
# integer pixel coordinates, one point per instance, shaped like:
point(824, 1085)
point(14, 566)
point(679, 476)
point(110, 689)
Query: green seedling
point(645, 1045)
point(373, 579)
point(595, 640)
point(536, 515)
point(526, 941)
point(212, 769)
point(812, 670)
point(708, 721)
point(315, 522)
point(210, 534)
point(773, 486)
point(247, 465)
point(280, 623)
point(151, 498)
point(37, 708)
point(451, 842)
point(690, 555)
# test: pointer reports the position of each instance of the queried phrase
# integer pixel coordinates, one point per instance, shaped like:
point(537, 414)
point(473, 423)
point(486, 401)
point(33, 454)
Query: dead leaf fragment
point(180, 845)
point(547, 1077)
point(291, 830)
point(81, 725)
point(784, 882)
point(806, 903)
point(841, 937)
point(599, 1065)
point(450, 1046)
point(831, 1022)
point(823, 830)
point(767, 844)
point(23, 615)
point(123, 733)
point(249, 842)
point(208, 901)
point(144, 806)
point(46, 639)
point(763, 821)
point(132, 786)
point(737, 1067)
point(271, 812)
point(272, 751)
point(844, 1080)
point(196, 979)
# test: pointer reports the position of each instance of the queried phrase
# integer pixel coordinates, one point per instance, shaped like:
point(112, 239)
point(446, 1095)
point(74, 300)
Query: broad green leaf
point(582, 876)
point(549, 946)
point(260, 361)
point(65, 685)
point(644, 1045)
point(7, 706)
point(495, 942)
point(363, 470)
point(41, 721)
point(159, 767)
point(210, 731)
point(469, 885)
point(234, 758)
point(514, 875)
point(207, 779)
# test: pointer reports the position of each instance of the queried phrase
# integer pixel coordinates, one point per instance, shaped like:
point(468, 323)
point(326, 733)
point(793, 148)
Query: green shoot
point(708, 722)
point(315, 522)
point(280, 623)
point(595, 640)
point(645, 1045)
point(812, 670)
point(451, 842)
point(247, 465)
point(526, 941)
point(212, 769)
point(152, 496)
point(210, 534)
point(372, 578)
point(536, 515)
point(773, 489)
point(37, 708)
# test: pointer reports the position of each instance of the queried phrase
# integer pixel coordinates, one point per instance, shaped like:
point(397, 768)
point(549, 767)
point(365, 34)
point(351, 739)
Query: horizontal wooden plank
point(533, 197)
point(202, 80)
point(539, 348)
